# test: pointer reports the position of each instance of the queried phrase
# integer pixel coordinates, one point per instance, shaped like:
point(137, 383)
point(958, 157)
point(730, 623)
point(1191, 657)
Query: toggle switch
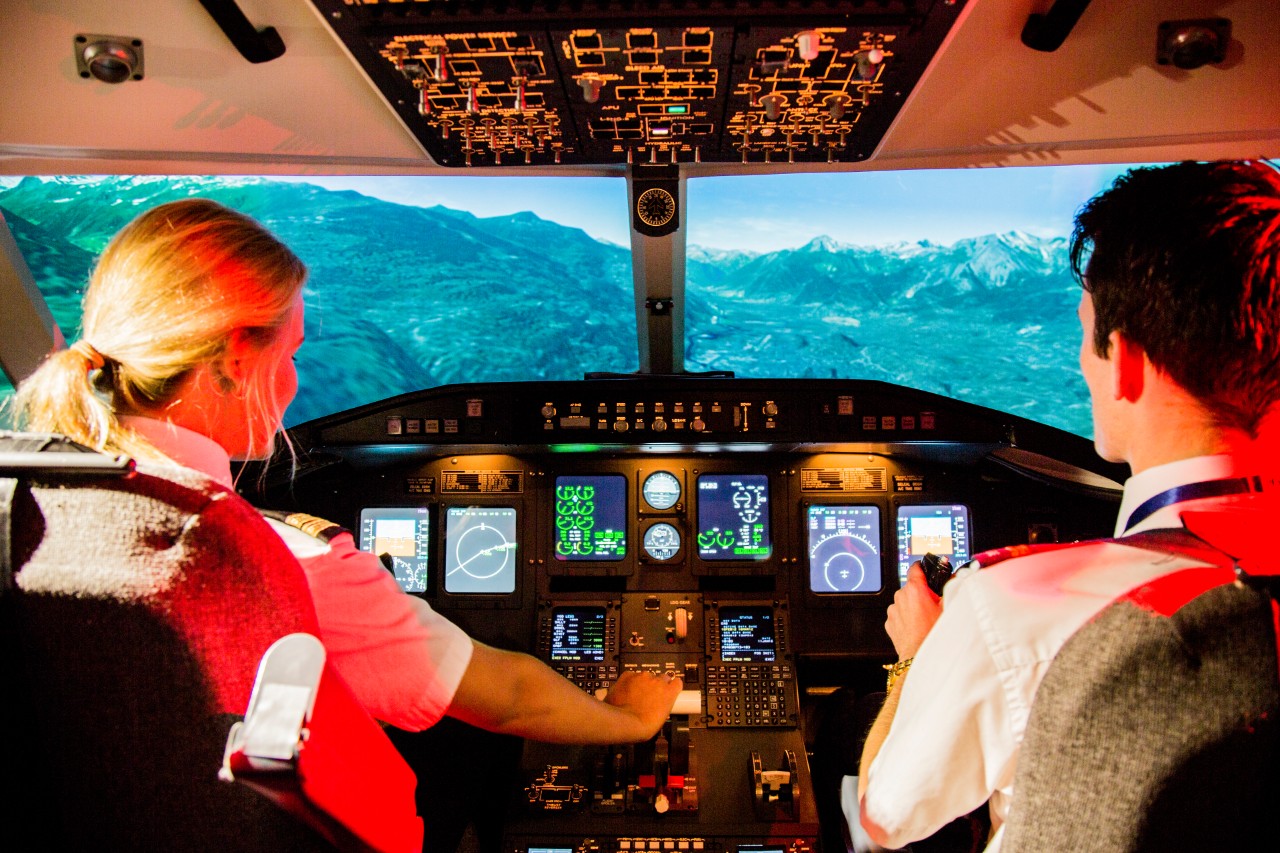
point(807, 44)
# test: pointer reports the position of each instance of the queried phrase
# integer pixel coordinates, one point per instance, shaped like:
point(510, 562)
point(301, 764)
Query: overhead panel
point(589, 83)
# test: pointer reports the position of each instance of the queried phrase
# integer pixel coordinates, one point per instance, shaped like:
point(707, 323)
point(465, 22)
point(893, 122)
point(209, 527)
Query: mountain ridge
point(402, 297)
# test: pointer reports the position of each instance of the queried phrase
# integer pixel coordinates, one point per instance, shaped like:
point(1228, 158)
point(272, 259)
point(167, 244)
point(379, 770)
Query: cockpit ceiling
point(545, 83)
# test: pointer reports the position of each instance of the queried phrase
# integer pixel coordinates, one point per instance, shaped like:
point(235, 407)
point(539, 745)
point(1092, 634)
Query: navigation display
point(591, 518)
point(747, 635)
point(578, 634)
point(400, 536)
point(941, 529)
point(733, 517)
point(480, 549)
point(844, 549)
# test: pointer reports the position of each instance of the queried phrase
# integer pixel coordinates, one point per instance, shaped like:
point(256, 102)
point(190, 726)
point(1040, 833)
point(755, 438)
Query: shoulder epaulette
point(311, 525)
point(1176, 540)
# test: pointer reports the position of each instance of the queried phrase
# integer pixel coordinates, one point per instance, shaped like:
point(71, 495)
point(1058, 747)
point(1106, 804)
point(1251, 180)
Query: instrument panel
point(549, 83)
point(751, 545)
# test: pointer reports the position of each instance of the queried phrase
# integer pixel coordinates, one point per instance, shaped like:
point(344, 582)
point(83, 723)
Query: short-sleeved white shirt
point(964, 706)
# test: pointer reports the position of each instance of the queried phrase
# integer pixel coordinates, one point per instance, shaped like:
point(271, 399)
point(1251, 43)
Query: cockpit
point(650, 336)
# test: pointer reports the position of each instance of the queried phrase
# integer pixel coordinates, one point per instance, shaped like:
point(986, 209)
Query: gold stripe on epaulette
point(311, 525)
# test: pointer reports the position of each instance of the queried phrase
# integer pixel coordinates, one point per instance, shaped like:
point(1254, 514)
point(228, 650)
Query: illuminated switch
point(844, 405)
point(433, 425)
point(869, 422)
point(475, 408)
point(413, 426)
point(926, 420)
point(395, 425)
point(888, 422)
point(450, 425)
point(908, 421)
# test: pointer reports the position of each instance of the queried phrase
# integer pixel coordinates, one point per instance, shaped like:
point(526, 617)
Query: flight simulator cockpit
point(793, 341)
point(744, 535)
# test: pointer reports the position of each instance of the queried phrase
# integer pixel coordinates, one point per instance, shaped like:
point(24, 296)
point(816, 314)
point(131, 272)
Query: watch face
point(655, 207)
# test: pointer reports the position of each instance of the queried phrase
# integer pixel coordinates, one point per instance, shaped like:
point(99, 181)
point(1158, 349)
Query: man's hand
point(911, 616)
point(647, 696)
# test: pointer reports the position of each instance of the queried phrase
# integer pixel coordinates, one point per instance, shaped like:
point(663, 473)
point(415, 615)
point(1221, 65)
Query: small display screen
point(480, 549)
point(591, 518)
point(941, 529)
point(400, 536)
point(747, 635)
point(844, 549)
point(578, 634)
point(733, 517)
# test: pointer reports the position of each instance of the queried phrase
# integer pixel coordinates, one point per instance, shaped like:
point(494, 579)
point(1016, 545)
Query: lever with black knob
point(937, 571)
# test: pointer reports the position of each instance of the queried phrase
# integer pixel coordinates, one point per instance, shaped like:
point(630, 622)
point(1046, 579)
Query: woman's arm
point(514, 693)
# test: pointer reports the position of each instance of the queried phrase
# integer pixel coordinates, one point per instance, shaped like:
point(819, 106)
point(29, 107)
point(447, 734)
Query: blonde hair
point(165, 296)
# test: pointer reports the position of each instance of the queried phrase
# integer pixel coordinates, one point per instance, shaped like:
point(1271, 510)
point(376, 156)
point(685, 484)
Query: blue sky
point(770, 212)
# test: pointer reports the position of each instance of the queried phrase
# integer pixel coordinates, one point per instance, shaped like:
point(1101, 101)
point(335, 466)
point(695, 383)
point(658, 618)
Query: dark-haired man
point(1181, 353)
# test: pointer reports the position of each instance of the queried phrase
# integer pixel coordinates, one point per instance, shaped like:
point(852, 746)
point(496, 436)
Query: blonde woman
point(191, 320)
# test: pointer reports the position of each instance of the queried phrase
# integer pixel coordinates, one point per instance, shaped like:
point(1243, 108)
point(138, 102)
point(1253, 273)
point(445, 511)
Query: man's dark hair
point(1184, 260)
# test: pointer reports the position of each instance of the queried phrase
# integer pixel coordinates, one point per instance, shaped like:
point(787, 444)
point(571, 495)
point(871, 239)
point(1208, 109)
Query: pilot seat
point(135, 609)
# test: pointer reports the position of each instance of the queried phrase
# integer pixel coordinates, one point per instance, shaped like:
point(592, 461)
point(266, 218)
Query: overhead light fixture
point(111, 59)
point(1191, 44)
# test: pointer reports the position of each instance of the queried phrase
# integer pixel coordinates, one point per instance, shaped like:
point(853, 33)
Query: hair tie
point(90, 354)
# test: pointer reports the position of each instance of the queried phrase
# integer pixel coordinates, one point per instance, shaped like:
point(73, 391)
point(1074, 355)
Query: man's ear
point(1128, 367)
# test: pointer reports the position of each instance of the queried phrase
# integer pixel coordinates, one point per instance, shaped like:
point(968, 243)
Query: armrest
point(308, 744)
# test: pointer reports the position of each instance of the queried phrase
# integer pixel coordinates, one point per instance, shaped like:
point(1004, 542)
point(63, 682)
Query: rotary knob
point(548, 411)
point(621, 426)
point(698, 425)
point(659, 425)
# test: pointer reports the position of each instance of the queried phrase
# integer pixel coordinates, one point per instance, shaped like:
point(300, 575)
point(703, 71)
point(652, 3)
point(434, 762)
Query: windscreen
point(414, 281)
point(955, 282)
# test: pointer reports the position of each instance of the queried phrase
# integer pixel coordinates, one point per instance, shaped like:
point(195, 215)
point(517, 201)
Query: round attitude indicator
point(662, 541)
point(843, 562)
point(661, 490)
point(655, 207)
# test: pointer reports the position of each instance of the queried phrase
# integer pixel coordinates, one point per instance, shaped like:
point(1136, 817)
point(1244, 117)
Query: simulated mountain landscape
point(402, 297)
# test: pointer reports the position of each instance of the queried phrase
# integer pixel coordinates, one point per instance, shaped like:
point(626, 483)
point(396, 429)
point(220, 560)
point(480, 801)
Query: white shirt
point(964, 706)
point(402, 659)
